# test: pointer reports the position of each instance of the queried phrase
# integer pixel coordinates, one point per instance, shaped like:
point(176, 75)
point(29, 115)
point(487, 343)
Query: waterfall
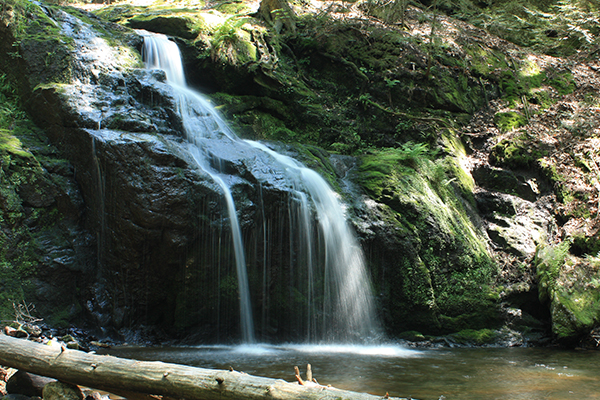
point(336, 295)
point(161, 53)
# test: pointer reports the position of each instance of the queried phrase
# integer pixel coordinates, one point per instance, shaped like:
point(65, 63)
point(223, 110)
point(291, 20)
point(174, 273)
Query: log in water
point(119, 375)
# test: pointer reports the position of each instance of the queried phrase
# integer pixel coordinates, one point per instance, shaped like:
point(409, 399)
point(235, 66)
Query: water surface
point(460, 374)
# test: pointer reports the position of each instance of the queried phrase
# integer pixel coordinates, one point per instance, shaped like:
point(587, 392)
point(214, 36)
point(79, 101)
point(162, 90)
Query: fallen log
point(120, 375)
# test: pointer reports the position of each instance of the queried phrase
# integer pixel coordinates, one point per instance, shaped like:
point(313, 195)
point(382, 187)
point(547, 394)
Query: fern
point(227, 32)
point(548, 261)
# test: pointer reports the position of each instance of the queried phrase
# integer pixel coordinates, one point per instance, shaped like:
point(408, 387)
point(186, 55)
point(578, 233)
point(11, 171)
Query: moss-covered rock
point(570, 286)
point(41, 256)
point(179, 26)
point(475, 337)
point(517, 152)
point(510, 120)
point(447, 274)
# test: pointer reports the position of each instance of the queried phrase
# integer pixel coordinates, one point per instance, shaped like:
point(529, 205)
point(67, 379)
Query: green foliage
point(548, 261)
point(520, 151)
point(562, 82)
point(510, 120)
point(231, 44)
point(583, 244)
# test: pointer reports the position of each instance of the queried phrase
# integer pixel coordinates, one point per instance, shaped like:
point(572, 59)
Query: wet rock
point(27, 384)
point(12, 396)
point(518, 226)
point(41, 194)
point(32, 330)
point(506, 181)
point(62, 391)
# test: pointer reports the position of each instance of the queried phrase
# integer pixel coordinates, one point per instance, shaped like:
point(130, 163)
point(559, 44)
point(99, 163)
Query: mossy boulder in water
point(570, 286)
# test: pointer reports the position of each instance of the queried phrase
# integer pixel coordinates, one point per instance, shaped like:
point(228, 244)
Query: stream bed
point(455, 373)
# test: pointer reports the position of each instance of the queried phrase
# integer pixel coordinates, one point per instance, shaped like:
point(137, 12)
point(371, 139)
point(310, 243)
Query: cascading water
point(336, 295)
point(161, 53)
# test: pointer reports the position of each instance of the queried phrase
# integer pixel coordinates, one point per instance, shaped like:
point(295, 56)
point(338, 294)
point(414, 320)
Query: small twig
point(23, 313)
point(526, 108)
point(298, 377)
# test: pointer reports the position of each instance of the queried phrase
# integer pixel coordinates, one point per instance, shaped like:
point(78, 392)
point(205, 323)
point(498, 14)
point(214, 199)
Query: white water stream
point(345, 310)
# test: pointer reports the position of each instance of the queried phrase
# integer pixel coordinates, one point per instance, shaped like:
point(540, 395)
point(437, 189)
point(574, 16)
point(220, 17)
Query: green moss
point(454, 164)
point(563, 83)
point(272, 128)
point(29, 22)
point(387, 167)
point(451, 278)
point(482, 60)
point(172, 25)
point(120, 13)
point(476, 337)
point(11, 144)
point(521, 151)
point(570, 288)
point(232, 7)
point(25, 229)
point(510, 120)
point(541, 97)
point(574, 312)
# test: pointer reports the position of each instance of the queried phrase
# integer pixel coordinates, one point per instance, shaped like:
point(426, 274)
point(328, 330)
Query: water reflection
point(465, 374)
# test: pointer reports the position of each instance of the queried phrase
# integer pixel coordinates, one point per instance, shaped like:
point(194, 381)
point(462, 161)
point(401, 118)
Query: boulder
point(62, 391)
point(516, 225)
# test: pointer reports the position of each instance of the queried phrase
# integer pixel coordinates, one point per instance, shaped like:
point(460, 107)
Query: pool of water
point(461, 374)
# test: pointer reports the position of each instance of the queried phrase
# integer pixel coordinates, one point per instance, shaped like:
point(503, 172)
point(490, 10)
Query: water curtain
point(337, 294)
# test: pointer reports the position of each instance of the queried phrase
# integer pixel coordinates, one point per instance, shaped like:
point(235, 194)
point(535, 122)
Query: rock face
point(142, 199)
point(159, 223)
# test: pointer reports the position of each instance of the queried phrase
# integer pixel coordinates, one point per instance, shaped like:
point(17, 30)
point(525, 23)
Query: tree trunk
point(125, 376)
